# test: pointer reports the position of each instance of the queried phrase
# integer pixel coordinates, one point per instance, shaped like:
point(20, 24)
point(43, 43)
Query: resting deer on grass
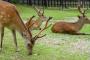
point(10, 18)
point(38, 22)
point(72, 28)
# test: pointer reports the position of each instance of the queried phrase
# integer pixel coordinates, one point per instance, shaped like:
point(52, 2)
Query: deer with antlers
point(38, 22)
point(15, 23)
point(72, 28)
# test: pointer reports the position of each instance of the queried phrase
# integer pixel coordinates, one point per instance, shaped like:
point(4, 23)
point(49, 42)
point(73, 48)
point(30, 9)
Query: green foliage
point(15, 1)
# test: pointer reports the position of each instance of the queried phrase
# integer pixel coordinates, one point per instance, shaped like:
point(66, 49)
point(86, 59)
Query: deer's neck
point(79, 24)
point(24, 30)
point(19, 25)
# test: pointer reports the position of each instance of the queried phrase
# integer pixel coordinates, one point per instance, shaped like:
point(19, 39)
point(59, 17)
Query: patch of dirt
point(49, 41)
point(81, 46)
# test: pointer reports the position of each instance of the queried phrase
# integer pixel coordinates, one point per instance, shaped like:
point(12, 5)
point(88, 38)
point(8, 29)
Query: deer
point(10, 18)
point(72, 28)
point(37, 22)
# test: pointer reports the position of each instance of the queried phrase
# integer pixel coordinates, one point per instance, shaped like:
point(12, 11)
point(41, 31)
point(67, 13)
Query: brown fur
point(10, 18)
point(70, 28)
point(37, 22)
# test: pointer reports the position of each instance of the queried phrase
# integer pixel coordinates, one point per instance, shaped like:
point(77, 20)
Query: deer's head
point(40, 13)
point(31, 40)
point(38, 35)
point(83, 16)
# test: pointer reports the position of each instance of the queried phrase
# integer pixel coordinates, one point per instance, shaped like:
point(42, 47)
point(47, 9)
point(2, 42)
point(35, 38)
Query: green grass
point(51, 47)
point(28, 11)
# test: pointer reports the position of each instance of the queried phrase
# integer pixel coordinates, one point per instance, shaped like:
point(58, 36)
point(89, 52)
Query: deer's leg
point(15, 40)
point(2, 35)
point(80, 33)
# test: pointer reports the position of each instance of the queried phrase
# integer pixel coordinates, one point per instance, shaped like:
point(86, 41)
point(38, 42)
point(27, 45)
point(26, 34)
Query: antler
point(82, 11)
point(29, 22)
point(41, 10)
point(38, 10)
point(37, 36)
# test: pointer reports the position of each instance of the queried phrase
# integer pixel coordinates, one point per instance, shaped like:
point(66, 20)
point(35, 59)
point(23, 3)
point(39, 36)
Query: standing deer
point(71, 28)
point(38, 22)
point(10, 18)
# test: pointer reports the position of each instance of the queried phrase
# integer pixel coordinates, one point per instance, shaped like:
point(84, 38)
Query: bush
point(15, 1)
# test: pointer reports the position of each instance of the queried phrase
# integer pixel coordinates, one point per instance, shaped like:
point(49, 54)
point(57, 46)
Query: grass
point(28, 11)
point(51, 47)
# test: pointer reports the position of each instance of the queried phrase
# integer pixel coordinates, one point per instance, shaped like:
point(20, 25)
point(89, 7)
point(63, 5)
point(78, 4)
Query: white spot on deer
point(8, 15)
point(1, 16)
point(80, 46)
point(2, 13)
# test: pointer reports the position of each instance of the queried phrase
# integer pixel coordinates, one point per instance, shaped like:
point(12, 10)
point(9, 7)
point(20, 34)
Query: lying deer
point(38, 22)
point(10, 18)
point(71, 28)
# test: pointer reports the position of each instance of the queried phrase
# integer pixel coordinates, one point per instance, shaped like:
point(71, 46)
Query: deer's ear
point(78, 16)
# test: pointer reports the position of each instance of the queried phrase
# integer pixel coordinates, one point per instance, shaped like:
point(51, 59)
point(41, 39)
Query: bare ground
point(72, 44)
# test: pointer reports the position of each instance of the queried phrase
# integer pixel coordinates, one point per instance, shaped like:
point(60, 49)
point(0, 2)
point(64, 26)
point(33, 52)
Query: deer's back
point(9, 16)
point(61, 27)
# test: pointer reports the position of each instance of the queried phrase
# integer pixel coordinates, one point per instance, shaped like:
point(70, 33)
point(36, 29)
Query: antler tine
point(36, 9)
point(80, 10)
point(39, 10)
point(85, 10)
point(43, 10)
point(30, 19)
point(28, 23)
